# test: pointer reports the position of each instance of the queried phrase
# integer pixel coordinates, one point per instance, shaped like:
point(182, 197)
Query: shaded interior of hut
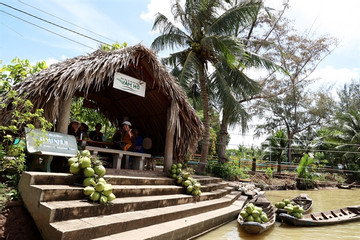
point(146, 115)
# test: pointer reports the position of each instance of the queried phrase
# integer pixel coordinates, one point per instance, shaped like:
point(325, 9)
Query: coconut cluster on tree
point(95, 186)
point(183, 178)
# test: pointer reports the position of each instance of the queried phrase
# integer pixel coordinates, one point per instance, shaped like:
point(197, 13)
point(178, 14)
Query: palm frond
point(242, 14)
point(254, 60)
point(240, 83)
point(172, 36)
point(191, 68)
point(223, 47)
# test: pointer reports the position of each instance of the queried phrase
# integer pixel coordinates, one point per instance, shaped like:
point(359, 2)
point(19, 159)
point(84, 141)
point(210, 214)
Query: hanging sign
point(129, 84)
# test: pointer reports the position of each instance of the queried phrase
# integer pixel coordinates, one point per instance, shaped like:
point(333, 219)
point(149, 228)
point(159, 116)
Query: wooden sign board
point(129, 84)
point(50, 143)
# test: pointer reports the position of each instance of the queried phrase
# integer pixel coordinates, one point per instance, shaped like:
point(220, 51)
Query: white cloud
point(329, 17)
point(332, 76)
point(247, 140)
point(51, 61)
point(160, 6)
point(155, 6)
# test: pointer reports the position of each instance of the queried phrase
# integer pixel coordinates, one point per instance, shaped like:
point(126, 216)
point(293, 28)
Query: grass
point(3, 196)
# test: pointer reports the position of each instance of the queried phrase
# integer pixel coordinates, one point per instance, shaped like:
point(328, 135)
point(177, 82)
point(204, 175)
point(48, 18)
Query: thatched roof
point(92, 77)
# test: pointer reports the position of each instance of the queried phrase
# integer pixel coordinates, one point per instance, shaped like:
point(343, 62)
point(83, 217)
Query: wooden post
point(254, 165)
point(64, 115)
point(172, 117)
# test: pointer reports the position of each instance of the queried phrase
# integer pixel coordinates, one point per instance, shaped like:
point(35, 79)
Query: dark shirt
point(138, 144)
point(71, 131)
point(95, 136)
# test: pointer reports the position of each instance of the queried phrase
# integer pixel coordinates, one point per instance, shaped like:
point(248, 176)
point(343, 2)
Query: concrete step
point(88, 228)
point(45, 178)
point(135, 180)
point(185, 227)
point(66, 192)
point(75, 209)
point(206, 179)
point(61, 211)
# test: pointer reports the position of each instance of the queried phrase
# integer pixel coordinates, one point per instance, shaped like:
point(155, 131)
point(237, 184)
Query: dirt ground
point(17, 224)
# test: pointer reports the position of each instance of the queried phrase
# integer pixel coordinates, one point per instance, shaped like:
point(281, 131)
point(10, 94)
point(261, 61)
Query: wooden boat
point(331, 217)
point(303, 200)
point(349, 186)
point(268, 208)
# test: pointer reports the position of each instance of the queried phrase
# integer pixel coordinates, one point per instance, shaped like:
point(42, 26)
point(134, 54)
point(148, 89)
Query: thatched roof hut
point(164, 113)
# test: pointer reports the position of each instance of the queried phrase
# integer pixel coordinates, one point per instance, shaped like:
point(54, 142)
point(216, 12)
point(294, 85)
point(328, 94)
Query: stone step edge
point(87, 228)
point(61, 209)
point(41, 178)
point(48, 191)
point(184, 228)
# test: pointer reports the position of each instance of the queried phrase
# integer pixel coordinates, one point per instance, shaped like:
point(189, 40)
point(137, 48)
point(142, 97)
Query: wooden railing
point(261, 165)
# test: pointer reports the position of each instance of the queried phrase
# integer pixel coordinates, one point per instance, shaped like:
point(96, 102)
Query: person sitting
point(96, 135)
point(117, 139)
point(125, 139)
point(73, 128)
point(138, 141)
point(83, 131)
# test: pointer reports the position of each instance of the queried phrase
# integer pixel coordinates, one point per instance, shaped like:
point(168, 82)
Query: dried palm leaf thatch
point(92, 77)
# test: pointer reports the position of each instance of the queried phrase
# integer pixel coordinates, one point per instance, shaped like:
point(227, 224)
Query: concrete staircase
point(144, 208)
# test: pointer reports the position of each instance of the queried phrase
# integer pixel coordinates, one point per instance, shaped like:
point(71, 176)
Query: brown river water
point(323, 200)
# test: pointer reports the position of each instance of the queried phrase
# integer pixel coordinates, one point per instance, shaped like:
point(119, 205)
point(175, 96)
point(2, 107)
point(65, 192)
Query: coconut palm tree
point(205, 39)
point(275, 147)
point(349, 134)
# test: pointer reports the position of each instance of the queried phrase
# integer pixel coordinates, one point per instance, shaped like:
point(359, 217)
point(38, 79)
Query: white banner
point(129, 84)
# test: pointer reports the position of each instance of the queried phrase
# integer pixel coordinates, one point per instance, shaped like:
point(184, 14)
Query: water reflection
point(322, 200)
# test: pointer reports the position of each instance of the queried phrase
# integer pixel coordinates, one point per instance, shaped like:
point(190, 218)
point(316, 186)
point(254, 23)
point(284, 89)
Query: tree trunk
point(170, 132)
point(206, 135)
point(289, 150)
point(279, 165)
point(253, 165)
point(64, 115)
point(222, 141)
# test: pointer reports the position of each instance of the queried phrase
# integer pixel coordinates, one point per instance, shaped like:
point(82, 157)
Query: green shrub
point(12, 145)
point(355, 171)
point(269, 172)
point(226, 171)
point(305, 173)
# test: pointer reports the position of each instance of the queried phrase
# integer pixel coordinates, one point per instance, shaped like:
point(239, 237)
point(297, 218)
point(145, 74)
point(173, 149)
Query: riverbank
point(289, 182)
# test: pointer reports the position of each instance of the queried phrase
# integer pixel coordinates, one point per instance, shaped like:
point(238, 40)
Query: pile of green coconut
point(95, 186)
point(291, 209)
point(253, 213)
point(184, 179)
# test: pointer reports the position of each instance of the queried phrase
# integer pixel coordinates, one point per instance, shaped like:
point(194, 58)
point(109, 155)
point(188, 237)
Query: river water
point(323, 200)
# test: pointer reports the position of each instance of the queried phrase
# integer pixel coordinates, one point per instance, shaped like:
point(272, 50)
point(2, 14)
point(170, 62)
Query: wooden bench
point(118, 155)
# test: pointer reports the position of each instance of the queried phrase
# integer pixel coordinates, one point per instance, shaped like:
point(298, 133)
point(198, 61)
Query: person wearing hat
point(73, 128)
point(125, 139)
point(83, 131)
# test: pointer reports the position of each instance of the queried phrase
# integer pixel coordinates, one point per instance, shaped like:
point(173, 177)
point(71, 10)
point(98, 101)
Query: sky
point(108, 21)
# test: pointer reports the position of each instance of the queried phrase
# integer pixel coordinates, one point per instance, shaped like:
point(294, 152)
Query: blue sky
point(131, 21)
point(116, 20)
